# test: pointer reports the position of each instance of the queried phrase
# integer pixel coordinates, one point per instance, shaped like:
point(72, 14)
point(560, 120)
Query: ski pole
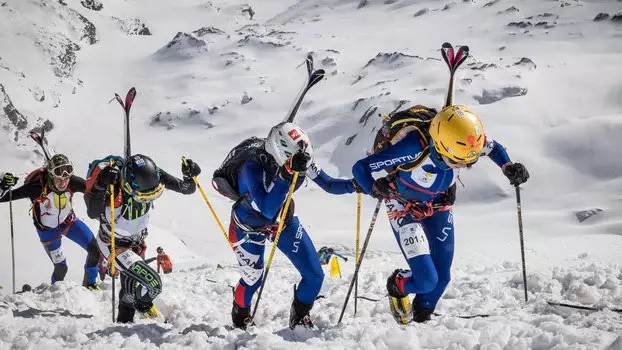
point(522, 241)
point(356, 248)
point(276, 241)
point(211, 208)
point(113, 252)
point(360, 260)
point(12, 237)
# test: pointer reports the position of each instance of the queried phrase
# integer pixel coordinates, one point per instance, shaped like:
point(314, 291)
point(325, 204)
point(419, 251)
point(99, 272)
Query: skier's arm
point(77, 184)
point(29, 190)
point(495, 151)
point(405, 151)
point(185, 186)
point(328, 183)
point(150, 260)
point(267, 201)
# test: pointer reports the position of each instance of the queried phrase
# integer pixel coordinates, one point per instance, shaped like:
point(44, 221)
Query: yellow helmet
point(458, 134)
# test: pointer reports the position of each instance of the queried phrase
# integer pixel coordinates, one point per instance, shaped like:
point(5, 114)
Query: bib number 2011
point(413, 241)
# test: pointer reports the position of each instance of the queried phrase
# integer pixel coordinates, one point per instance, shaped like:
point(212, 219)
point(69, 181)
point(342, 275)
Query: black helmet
point(141, 178)
point(59, 166)
point(159, 250)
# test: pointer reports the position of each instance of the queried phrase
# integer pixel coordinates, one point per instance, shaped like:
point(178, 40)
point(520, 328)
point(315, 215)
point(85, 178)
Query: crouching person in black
point(137, 183)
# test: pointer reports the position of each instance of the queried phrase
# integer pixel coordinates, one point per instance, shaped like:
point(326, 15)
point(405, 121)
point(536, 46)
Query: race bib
point(57, 255)
point(249, 266)
point(128, 258)
point(250, 275)
point(413, 240)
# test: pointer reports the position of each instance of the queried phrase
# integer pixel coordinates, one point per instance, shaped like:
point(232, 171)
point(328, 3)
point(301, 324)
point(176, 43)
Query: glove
point(190, 168)
point(382, 188)
point(516, 173)
point(8, 180)
point(357, 187)
point(447, 199)
point(298, 162)
point(108, 176)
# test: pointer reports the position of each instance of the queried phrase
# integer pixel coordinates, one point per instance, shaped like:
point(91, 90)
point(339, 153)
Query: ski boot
point(421, 314)
point(153, 312)
point(92, 287)
point(299, 314)
point(241, 316)
point(398, 301)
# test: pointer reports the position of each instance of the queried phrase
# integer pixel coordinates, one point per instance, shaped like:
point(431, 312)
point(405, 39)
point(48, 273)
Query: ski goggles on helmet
point(147, 196)
point(62, 171)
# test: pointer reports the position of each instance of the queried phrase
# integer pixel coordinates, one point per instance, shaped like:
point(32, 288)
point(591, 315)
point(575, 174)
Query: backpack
point(225, 178)
point(397, 125)
point(118, 161)
point(37, 175)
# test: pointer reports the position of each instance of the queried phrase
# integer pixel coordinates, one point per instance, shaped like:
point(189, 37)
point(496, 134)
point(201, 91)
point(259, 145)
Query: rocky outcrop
point(182, 46)
point(94, 5)
point(494, 95)
point(15, 118)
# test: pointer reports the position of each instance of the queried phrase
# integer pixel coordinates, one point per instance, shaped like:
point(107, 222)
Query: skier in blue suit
point(264, 172)
point(419, 194)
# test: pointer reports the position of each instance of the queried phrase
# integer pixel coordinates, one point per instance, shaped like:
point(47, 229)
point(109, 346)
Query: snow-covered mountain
point(543, 75)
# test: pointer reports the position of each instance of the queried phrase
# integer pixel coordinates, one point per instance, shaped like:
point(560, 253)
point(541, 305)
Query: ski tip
point(309, 62)
point(35, 136)
point(446, 45)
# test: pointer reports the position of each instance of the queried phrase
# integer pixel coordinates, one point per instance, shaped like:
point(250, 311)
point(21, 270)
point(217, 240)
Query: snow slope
point(205, 57)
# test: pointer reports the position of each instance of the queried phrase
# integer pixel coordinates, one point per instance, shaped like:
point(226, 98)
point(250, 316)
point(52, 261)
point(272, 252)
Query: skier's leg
point(80, 233)
point(422, 276)
point(249, 250)
point(296, 244)
point(439, 229)
point(140, 286)
point(126, 302)
point(52, 243)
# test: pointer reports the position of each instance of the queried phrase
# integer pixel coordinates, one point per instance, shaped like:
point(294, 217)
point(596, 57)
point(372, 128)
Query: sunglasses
point(63, 171)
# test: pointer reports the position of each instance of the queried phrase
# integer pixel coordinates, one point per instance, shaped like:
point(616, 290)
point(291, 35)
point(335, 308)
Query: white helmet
point(285, 139)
